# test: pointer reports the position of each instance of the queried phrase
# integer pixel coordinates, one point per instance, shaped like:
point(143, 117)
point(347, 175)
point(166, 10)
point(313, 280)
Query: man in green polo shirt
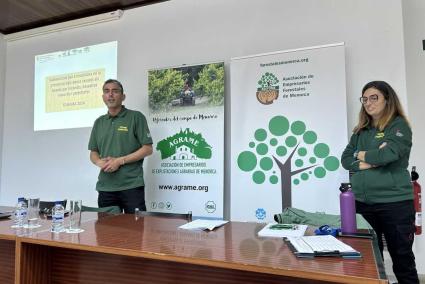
point(119, 142)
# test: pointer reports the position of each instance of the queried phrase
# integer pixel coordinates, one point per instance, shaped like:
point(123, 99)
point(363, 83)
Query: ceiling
point(20, 15)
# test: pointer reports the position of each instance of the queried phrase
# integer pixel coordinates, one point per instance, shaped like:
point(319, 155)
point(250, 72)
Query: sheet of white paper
point(200, 224)
point(326, 243)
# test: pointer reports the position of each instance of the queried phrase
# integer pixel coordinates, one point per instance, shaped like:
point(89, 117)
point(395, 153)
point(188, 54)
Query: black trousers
point(127, 200)
point(396, 222)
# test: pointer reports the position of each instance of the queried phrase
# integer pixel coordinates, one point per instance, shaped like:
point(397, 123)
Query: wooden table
point(7, 249)
point(8, 237)
point(9, 243)
point(123, 249)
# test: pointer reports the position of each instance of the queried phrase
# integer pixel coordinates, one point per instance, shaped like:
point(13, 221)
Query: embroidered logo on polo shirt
point(123, 128)
point(379, 135)
point(398, 133)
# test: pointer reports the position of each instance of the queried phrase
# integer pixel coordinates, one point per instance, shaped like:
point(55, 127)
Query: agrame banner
point(185, 172)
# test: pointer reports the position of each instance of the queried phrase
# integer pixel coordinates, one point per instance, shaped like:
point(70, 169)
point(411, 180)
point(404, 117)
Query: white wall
point(414, 33)
point(55, 163)
point(2, 74)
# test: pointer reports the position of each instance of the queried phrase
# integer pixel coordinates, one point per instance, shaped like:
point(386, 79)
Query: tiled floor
point(388, 269)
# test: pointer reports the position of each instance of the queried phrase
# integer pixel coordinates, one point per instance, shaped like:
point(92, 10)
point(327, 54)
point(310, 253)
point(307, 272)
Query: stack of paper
point(200, 224)
point(327, 245)
point(282, 230)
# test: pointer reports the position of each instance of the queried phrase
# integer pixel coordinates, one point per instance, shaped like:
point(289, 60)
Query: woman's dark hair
point(392, 109)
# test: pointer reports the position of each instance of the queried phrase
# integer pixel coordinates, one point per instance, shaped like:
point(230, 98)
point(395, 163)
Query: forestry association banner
point(288, 130)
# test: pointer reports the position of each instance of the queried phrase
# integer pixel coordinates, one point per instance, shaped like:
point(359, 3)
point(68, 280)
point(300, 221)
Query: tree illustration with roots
point(268, 81)
point(290, 148)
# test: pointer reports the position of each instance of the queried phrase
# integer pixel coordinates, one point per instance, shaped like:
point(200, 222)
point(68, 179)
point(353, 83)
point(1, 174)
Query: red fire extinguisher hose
point(417, 191)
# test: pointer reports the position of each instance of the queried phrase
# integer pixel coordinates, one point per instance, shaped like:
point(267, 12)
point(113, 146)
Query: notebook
point(282, 230)
point(324, 245)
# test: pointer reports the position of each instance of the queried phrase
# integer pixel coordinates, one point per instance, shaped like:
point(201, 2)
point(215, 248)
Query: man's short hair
point(115, 82)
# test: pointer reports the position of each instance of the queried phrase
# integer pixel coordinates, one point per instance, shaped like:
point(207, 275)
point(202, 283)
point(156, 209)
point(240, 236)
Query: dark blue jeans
point(396, 221)
point(127, 200)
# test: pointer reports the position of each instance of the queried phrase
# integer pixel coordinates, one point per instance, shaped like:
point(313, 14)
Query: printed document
point(200, 224)
point(326, 245)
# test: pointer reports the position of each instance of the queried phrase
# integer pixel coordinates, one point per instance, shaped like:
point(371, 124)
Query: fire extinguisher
point(417, 200)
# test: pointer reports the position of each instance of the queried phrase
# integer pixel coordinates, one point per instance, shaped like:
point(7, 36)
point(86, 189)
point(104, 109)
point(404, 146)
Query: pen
point(283, 227)
point(327, 253)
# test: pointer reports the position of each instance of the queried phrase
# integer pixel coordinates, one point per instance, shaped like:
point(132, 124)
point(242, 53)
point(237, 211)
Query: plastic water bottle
point(347, 207)
point(136, 213)
point(21, 211)
point(58, 216)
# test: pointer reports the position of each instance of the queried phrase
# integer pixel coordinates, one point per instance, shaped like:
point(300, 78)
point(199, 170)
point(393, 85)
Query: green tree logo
point(268, 89)
point(268, 81)
point(285, 145)
point(184, 145)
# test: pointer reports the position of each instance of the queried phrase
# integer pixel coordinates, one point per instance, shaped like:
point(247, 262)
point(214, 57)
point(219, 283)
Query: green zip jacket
point(389, 179)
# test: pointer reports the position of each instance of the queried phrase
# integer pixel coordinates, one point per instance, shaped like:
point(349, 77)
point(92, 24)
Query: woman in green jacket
point(377, 158)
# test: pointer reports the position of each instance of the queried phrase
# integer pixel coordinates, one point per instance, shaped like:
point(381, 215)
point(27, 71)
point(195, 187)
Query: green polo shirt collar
point(122, 113)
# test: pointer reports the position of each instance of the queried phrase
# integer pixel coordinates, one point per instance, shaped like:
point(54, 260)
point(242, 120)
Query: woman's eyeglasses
point(371, 98)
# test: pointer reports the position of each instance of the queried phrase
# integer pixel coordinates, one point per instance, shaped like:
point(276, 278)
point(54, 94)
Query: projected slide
point(68, 86)
point(74, 91)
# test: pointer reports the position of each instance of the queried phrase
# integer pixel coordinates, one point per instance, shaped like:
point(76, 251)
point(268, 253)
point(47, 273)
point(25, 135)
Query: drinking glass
point(33, 213)
point(75, 217)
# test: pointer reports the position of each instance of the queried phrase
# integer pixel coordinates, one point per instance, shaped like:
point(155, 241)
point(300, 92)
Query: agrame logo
point(184, 145)
point(123, 128)
point(268, 89)
point(380, 135)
